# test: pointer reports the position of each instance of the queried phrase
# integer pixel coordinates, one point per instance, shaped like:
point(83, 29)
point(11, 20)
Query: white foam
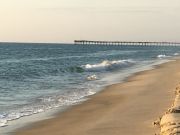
point(163, 56)
point(91, 93)
point(106, 64)
point(176, 54)
point(91, 78)
point(47, 103)
point(14, 116)
point(3, 123)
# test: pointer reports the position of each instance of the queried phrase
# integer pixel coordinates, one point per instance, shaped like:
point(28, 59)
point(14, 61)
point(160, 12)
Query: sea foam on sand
point(170, 121)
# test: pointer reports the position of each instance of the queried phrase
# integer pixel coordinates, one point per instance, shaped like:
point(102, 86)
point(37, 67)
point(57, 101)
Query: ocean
point(35, 78)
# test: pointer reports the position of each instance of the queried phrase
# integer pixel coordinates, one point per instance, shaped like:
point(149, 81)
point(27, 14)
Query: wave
point(162, 56)
point(176, 54)
point(22, 60)
point(108, 65)
point(75, 69)
point(112, 53)
point(42, 104)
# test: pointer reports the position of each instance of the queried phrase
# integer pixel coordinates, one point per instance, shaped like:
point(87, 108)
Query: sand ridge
point(170, 122)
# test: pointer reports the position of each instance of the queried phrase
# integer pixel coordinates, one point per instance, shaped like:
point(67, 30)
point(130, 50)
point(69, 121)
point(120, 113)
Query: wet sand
point(127, 108)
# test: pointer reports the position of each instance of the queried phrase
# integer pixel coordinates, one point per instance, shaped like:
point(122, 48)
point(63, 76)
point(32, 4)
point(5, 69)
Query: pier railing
point(87, 42)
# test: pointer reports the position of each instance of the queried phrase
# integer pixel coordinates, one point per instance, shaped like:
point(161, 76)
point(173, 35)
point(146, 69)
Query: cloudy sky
point(66, 20)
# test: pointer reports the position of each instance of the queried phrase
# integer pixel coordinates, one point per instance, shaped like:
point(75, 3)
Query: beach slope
point(127, 108)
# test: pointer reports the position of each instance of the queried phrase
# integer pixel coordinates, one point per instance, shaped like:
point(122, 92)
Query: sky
point(68, 20)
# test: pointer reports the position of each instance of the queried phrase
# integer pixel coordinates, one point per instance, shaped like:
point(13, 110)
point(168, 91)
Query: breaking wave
point(163, 56)
point(108, 65)
point(176, 54)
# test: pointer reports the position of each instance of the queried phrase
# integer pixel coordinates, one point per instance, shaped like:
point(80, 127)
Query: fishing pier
point(87, 42)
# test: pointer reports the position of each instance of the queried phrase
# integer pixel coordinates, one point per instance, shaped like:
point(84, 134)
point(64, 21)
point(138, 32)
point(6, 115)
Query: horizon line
point(29, 42)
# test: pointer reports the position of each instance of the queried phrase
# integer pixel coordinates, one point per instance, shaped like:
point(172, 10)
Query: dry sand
point(121, 109)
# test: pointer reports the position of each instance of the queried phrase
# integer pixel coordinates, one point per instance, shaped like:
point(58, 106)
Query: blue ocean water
point(37, 77)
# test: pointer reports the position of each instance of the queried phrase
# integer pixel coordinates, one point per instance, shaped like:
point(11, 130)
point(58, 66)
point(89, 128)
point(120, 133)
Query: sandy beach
point(127, 108)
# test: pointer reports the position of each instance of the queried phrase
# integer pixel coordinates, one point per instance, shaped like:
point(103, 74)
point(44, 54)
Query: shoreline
point(101, 120)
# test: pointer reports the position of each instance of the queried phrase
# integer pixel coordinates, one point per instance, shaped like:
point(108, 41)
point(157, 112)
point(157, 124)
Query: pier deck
point(87, 42)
